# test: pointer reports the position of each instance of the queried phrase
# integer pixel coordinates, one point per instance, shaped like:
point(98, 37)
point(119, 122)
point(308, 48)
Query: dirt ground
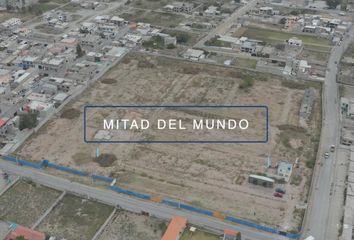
point(130, 226)
point(25, 202)
point(75, 218)
point(211, 176)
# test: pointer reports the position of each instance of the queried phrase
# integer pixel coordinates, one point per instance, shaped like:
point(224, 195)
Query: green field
point(274, 37)
point(154, 18)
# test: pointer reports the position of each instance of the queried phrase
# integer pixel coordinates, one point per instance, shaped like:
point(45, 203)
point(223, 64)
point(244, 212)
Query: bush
point(28, 120)
point(246, 83)
point(171, 46)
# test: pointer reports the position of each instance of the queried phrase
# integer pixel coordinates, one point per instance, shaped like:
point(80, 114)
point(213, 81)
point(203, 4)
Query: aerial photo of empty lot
point(218, 173)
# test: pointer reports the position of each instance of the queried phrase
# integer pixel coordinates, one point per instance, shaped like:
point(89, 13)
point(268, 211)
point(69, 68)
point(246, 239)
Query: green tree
point(20, 238)
point(333, 3)
point(79, 51)
point(28, 120)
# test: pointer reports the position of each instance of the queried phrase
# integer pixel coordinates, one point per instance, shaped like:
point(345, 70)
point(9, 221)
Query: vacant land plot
point(25, 202)
point(210, 176)
point(151, 4)
point(274, 37)
point(163, 19)
point(347, 67)
point(75, 218)
point(130, 226)
point(315, 55)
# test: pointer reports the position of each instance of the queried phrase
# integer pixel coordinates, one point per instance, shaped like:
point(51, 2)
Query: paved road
point(131, 204)
point(226, 25)
point(319, 202)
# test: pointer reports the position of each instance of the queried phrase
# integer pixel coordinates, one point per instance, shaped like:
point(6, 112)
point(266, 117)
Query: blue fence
point(130, 193)
point(103, 178)
point(196, 209)
point(66, 169)
point(23, 162)
point(251, 224)
point(168, 202)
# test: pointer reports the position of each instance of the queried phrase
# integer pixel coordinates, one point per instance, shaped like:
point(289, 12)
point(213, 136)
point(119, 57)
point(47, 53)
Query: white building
point(194, 54)
point(284, 170)
point(294, 41)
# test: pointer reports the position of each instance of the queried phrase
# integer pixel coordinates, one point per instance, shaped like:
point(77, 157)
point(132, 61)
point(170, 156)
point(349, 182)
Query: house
point(175, 228)
point(266, 11)
point(249, 47)
point(94, 56)
point(344, 104)
point(350, 112)
point(26, 233)
point(42, 107)
point(294, 41)
point(90, 41)
point(194, 54)
point(180, 7)
point(12, 22)
point(60, 98)
point(347, 137)
point(303, 66)
point(119, 21)
point(63, 84)
point(17, 4)
point(231, 235)
point(284, 170)
point(51, 64)
point(211, 11)
point(29, 62)
point(309, 29)
point(87, 27)
point(107, 28)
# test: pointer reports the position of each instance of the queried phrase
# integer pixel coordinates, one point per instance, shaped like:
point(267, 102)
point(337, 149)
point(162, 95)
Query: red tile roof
point(27, 233)
point(175, 228)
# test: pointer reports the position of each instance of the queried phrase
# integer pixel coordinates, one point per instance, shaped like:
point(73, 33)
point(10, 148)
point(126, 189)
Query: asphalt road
point(316, 221)
point(132, 204)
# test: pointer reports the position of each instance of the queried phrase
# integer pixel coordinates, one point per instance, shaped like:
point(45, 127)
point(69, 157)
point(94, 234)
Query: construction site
point(212, 176)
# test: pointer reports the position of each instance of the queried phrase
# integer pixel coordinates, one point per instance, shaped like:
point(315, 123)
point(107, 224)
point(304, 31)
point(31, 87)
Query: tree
point(79, 51)
point(20, 238)
point(28, 120)
point(333, 3)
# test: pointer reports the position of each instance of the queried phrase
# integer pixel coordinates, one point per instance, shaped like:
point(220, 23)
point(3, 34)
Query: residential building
point(284, 170)
point(194, 54)
point(249, 47)
point(180, 7)
point(294, 41)
point(90, 41)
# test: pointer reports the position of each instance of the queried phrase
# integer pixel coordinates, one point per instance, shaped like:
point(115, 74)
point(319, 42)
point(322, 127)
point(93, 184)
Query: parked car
point(280, 190)
point(332, 148)
point(279, 195)
point(326, 155)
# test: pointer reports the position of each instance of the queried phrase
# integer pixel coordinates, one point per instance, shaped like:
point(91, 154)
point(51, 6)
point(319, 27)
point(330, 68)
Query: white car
point(326, 155)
